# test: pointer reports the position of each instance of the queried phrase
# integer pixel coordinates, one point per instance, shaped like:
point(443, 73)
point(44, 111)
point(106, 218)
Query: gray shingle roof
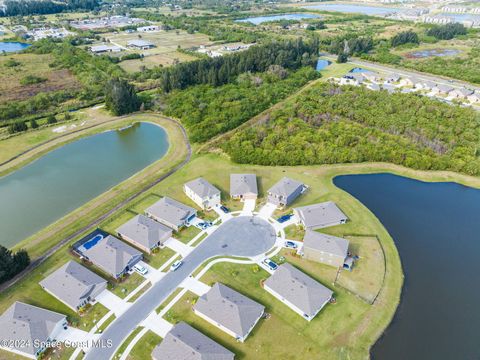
point(463, 91)
point(444, 88)
point(72, 282)
point(230, 309)
point(112, 254)
point(139, 43)
point(327, 243)
point(285, 187)
point(241, 184)
point(145, 231)
point(321, 214)
point(171, 210)
point(28, 323)
point(202, 188)
point(299, 289)
point(184, 342)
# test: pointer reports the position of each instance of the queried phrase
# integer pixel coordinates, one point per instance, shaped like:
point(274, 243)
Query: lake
point(420, 54)
point(12, 46)
point(462, 17)
point(436, 229)
point(349, 8)
point(261, 19)
point(322, 64)
point(66, 178)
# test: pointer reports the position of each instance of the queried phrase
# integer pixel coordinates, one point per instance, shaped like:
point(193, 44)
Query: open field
point(165, 51)
point(32, 65)
point(144, 347)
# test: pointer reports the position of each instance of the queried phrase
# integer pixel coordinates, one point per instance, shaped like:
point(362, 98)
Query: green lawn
point(140, 206)
point(186, 234)
point(92, 316)
point(127, 341)
point(294, 232)
point(128, 285)
point(144, 347)
point(140, 292)
point(159, 258)
point(167, 300)
point(112, 224)
point(105, 324)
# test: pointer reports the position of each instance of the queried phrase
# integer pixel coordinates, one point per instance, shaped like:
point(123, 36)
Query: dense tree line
point(290, 54)
point(447, 31)
point(39, 7)
point(207, 111)
point(329, 124)
point(351, 46)
point(405, 37)
point(120, 97)
point(12, 263)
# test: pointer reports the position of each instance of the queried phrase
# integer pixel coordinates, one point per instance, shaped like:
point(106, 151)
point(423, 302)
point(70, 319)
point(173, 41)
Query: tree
point(405, 37)
point(12, 264)
point(120, 97)
point(447, 31)
point(342, 58)
point(33, 124)
point(18, 126)
point(51, 119)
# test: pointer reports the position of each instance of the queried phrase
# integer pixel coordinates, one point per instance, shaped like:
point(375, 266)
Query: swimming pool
point(91, 243)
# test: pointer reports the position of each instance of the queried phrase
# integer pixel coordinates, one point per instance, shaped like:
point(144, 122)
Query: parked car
point(142, 270)
point(270, 264)
point(290, 244)
point(176, 265)
point(224, 209)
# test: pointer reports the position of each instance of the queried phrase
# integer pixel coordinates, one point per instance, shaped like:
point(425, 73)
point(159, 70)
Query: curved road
point(239, 236)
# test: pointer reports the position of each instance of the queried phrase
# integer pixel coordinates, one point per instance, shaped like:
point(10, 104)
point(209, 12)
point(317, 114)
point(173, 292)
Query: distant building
point(243, 186)
point(26, 328)
point(74, 285)
point(325, 249)
point(442, 89)
point(229, 310)
point(145, 233)
point(185, 342)
point(150, 28)
point(101, 49)
point(393, 78)
point(284, 192)
point(171, 213)
point(354, 79)
point(202, 193)
point(460, 93)
point(140, 44)
point(317, 216)
point(298, 291)
point(474, 98)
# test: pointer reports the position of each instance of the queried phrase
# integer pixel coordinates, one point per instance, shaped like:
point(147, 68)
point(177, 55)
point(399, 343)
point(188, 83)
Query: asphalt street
point(239, 236)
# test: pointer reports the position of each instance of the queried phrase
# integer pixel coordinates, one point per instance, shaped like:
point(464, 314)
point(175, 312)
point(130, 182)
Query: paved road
point(239, 236)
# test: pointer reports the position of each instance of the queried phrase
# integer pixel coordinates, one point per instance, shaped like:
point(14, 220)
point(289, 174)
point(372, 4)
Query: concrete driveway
point(239, 236)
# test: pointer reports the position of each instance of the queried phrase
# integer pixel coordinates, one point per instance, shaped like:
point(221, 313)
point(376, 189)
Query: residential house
point(355, 79)
point(474, 98)
point(374, 87)
point(408, 81)
point(284, 192)
point(442, 89)
point(325, 249)
point(140, 44)
point(428, 85)
point(243, 186)
point(317, 216)
point(184, 342)
point(109, 253)
point(202, 193)
point(74, 285)
point(145, 233)
point(229, 310)
point(372, 76)
point(393, 78)
point(171, 213)
point(25, 329)
point(298, 291)
point(460, 93)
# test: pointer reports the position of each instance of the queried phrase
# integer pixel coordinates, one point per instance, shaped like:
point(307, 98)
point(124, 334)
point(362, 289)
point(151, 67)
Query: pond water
point(436, 229)
point(64, 179)
point(322, 64)
point(359, 70)
point(350, 8)
point(261, 19)
point(12, 46)
point(420, 54)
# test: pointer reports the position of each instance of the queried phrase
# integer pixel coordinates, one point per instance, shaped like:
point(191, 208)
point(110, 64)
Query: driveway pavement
point(178, 247)
point(267, 210)
point(239, 236)
point(112, 302)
